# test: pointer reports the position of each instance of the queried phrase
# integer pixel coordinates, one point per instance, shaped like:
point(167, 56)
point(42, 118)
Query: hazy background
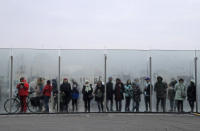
point(136, 24)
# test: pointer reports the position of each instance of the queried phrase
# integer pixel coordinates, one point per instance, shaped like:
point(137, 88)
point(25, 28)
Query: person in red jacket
point(47, 94)
point(23, 93)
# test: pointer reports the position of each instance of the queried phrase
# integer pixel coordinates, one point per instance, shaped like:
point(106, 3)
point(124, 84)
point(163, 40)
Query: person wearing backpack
point(23, 87)
point(191, 94)
point(119, 90)
point(47, 94)
point(161, 92)
point(180, 95)
point(75, 96)
point(87, 95)
point(65, 89)
point(128, 90)
point(99, 95)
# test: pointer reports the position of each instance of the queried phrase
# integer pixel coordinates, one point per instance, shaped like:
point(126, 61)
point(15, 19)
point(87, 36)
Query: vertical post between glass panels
point(59, 60)
point(196, 81)
point(11, 80)
point(150, 73)
point(105, 75)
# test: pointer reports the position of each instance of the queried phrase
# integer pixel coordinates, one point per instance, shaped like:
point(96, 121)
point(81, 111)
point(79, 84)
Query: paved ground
point(100, 122)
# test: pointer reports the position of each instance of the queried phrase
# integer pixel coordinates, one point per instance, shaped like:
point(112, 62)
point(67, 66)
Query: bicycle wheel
point(11, 105)
point(31, 107)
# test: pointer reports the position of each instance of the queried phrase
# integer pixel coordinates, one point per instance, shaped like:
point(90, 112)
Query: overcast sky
point(121, 24)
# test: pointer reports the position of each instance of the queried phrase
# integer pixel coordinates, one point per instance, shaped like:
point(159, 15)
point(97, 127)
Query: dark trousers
point(162, 103)
point(147, 102)
point(74, 104)
point(65, 104)
point(87, 105)
point(127, 106)
point(136, 105)
point(100, 105)
point(191, 103)
point(172, 105)
point(46, 103)
point(179, 105)
point(118, 105)
point(111, 104)
point(23, 103)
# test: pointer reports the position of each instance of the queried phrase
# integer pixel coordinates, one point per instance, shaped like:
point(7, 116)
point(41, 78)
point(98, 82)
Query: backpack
point(75, 94)
point(99, 93)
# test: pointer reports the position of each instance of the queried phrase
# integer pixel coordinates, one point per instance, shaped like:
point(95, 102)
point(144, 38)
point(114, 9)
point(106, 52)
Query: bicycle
point(12, 105)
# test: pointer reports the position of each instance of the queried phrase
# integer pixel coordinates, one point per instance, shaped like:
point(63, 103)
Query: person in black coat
point(119, 90)
point(109, 94)
point(161, 92)
point(65, 90)
point(87, 95)
point(99, 95)
point(191, 94)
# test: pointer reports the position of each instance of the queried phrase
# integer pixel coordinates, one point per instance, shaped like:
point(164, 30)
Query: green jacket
point(180, 90)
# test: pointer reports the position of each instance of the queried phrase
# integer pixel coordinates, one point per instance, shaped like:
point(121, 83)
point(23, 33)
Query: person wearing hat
point(161, 92)
point(191, 94)
point(109, 94)
point(65, 90)
point(180, 95)
point(87, 95)
point(147, 93)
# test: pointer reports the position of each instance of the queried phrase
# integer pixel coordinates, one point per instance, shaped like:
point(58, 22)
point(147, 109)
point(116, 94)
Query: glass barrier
point(79, 66)
point(198, 78)
point(128, 65)
point(4, 77)
point(36, 66)
point(171, 66)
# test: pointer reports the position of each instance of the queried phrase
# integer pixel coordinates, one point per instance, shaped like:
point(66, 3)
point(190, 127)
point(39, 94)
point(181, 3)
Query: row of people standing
point(131, 91)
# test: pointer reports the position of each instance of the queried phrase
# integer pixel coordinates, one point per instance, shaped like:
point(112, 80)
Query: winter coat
point(54, 87)
point(23, 88)
point(87, 94)
point(119, 90)
point(47, 90)
point(99, 93)
point(75, 93)
point(109, 91)
point(136, 93)
point(38, 90)
point(161, 89)
point(171, 93)
point(191, 93)
point(128, 90)
point(147, 90)
point(180, 90)
point(66, 89)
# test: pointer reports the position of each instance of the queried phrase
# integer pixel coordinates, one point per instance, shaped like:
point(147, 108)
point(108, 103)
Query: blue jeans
point(46, 103)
